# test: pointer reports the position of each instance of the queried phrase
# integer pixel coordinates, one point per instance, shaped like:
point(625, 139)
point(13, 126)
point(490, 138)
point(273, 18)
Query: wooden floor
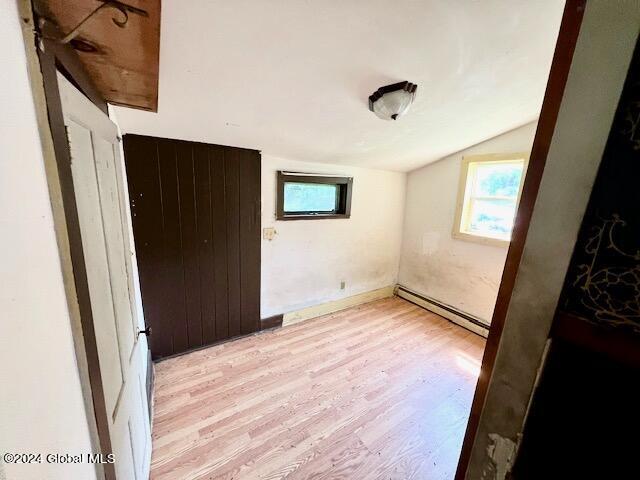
point(379, 391)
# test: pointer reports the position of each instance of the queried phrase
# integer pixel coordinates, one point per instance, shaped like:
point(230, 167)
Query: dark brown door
point(196, 221)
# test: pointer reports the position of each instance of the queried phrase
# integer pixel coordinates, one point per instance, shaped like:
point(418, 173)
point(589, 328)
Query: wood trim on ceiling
point(65, 58)
point(563, 55)
point(124, 62)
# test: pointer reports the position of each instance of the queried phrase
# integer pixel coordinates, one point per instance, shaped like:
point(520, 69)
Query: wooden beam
point(123, 63)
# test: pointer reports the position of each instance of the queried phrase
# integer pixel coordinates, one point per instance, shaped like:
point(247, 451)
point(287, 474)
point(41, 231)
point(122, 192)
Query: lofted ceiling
point(292, 78)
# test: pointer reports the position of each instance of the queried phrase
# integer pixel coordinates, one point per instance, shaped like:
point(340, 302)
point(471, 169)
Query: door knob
point(146, 331)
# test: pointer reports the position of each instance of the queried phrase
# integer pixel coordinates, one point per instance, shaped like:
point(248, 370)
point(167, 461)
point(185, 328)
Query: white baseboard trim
point(458, 317)
point(336, 305)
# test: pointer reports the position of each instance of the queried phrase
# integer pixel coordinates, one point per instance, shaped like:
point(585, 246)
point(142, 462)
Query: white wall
point(308, 259)
point(459, 273)
point(41, 403)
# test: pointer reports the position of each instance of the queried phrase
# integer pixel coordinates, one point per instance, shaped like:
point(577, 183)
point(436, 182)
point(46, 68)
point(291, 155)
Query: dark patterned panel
point(603, 282)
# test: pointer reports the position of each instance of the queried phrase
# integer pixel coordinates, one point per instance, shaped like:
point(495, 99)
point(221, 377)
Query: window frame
point(463, 202)
point(345, 191)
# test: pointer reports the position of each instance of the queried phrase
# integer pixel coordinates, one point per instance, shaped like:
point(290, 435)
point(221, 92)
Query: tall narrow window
point(488, 197)
point(307, 196)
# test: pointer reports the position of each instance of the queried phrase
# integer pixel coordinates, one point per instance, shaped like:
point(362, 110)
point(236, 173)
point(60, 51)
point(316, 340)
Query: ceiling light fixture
point(392, 101)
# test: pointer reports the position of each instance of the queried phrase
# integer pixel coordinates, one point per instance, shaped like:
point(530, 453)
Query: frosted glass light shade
point(392, 101)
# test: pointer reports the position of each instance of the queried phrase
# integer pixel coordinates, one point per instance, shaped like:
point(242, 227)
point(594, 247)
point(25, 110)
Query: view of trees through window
point(310, 197)
point(493, 198)
point(499, 179)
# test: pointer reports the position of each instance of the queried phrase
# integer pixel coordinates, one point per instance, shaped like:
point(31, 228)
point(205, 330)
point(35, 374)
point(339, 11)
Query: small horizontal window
point(307, 196)
point(488, 197)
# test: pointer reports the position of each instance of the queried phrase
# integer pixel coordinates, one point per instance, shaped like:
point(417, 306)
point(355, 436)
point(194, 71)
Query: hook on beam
point(123, 8)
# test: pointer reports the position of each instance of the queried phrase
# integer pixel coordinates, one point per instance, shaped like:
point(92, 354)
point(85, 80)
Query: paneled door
point(99, 188)
point(195, 209)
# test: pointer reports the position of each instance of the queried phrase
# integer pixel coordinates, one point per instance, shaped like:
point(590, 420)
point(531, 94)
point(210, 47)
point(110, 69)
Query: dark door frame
point(563, 55)
point(54, 57)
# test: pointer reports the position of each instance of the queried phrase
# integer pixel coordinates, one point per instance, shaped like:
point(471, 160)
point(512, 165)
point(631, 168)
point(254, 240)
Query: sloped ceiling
point(292, 78)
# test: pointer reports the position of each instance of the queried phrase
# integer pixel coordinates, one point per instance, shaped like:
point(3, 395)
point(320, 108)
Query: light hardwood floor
point(378, 391)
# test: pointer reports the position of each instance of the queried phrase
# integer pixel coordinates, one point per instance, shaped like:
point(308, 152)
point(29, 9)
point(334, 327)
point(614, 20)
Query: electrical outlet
point(342, 285)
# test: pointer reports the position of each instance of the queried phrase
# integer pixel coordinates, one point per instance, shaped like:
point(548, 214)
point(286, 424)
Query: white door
point(99, 190)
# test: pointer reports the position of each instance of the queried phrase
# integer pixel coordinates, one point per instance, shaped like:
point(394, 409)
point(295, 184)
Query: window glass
point(498, 179)
point(492, 217)
point(310, 197)
point(490, 197)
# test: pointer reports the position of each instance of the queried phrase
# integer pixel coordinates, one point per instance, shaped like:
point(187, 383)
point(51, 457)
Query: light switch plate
point(269, 233)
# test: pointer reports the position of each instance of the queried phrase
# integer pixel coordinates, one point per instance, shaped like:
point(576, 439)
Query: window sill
point(495, 242)
point(312, 217)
